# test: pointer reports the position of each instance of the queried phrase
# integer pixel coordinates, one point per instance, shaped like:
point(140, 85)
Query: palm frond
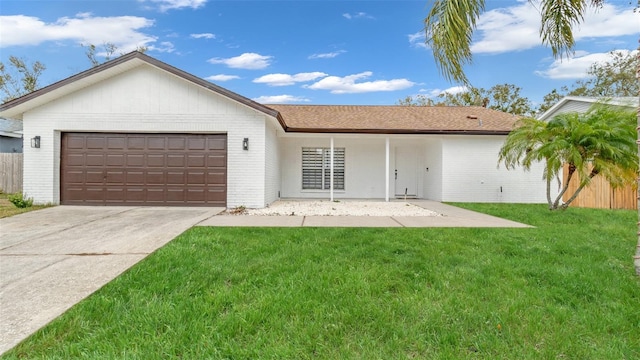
point(449, 28)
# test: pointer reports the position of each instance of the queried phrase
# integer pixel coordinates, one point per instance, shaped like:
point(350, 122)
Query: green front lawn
point(563, 290)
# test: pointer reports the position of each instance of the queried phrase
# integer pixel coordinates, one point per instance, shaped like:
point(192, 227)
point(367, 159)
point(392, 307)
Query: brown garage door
point(143, 169)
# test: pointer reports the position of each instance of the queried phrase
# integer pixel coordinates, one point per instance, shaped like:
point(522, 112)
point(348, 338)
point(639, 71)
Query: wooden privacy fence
point(11, 172)
point(600, 194)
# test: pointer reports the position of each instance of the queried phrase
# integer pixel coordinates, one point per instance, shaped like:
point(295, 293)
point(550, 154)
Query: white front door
point(406, 172)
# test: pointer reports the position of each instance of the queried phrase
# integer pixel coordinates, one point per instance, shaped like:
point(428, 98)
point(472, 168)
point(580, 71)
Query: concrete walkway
point(52, 258)
point(451, 217)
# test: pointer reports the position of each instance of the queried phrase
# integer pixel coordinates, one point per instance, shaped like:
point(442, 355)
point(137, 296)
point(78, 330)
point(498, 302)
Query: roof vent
point(473, 117)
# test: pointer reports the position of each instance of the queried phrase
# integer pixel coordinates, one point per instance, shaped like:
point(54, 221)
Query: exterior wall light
point(245, 144)
point(35, 142)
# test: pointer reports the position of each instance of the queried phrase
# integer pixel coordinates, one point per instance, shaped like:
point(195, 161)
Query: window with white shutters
point(316, 168)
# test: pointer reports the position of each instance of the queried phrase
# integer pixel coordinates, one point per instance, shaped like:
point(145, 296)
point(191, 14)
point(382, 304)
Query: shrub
point(20, 201)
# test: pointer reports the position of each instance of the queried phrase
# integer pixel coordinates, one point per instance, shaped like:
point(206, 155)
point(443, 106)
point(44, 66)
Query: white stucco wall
point(471, 174)
point(146, 99)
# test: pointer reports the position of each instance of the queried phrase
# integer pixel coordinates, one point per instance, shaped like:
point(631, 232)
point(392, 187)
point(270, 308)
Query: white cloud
point(251, 61)
point(348, 84)
point(286, 79)
point(358, 15)
point(164, 5)
point(280, 99)
point(122, 31)
point(430, 93)
point(164, 46)
point(518, 27)
point(222, 77)
point(418, 39)
point(576, 67)
point(203, 36)
point(327, 55)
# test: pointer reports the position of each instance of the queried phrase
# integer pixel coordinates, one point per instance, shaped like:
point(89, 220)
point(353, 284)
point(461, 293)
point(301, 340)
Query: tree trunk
point(549, 194)
point(572, 170)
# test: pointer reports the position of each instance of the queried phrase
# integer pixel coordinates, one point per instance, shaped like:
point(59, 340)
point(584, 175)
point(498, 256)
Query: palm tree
point(599, 142)
point(449, 28)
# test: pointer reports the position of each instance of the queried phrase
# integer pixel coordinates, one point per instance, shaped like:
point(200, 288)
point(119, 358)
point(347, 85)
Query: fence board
point(600, 194)
point(11, 172)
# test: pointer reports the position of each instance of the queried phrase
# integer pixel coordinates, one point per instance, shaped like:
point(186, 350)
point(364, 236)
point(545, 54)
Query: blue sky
point(309, 52)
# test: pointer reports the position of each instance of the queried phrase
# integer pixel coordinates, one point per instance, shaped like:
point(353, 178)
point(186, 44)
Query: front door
point(406, 172)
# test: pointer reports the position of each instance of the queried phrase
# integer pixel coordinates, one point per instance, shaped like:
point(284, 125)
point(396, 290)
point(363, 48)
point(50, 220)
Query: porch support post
point(331, 171)
point(386, 170)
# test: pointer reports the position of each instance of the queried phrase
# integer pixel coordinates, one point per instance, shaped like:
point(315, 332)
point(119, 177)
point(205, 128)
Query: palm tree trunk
point(549, 194)
point(572, 170)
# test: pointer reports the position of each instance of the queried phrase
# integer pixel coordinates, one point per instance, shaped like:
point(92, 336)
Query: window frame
point(316, 168)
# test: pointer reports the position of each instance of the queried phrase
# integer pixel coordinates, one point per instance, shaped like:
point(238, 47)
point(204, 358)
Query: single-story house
point(10, 136)
point(137, 131)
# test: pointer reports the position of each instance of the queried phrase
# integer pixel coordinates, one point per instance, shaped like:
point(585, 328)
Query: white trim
point(386, 169)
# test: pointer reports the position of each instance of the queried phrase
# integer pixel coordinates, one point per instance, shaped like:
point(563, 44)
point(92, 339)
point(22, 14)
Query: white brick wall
point(471, 173)
point(147, 100)
point(272, 163)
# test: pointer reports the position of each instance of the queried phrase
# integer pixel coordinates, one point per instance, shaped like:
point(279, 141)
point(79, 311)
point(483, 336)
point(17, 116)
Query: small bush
point(20, 201)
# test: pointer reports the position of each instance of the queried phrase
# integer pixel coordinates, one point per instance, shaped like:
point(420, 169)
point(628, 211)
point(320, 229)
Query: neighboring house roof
point(556, 109)
point(294, 118)
point(395, 119)
point(10, 128)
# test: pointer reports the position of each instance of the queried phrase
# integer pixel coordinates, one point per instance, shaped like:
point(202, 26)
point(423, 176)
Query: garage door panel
point(156, 160)
point(216, 178)
point(139, 169)
point(216, 160)
point(95, 143)
point(199, 143)
point(94, 160)
point(116, 143)
point(156, 178)
point(175, 195)
point(135, 160)
point(156, 143)
point(75, 142)
point(175, 160)
point(115, 177)
point(196, 160)
point(94, 177)
point(217, 144)
point(176, 177)
point(135, 177)
point(115, 160)
point(136, 142)
point(195, 178)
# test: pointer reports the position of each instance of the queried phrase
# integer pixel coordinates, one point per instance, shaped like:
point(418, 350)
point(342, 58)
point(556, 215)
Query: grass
point(565, 289)
point(8, 209)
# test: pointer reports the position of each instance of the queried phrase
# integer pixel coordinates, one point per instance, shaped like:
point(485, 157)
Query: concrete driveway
point(50, 259)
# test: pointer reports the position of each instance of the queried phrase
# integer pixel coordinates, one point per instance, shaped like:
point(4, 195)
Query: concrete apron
point(50, 259)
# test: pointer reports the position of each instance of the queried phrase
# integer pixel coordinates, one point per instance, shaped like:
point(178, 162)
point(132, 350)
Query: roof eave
point(397, 131)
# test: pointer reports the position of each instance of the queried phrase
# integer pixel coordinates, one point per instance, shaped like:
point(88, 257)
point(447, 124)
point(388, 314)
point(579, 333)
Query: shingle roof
point(394, 119)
